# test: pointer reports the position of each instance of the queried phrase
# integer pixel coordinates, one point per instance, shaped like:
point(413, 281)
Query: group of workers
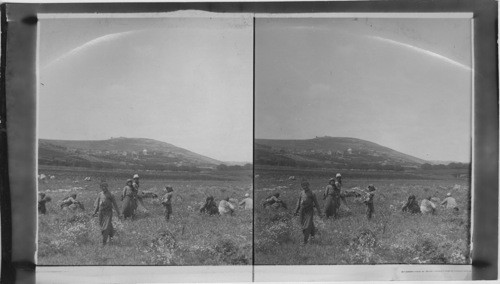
point(334, 196)
point(105, 203)
point(225, 207)
point(428, 205)
point(67, 203)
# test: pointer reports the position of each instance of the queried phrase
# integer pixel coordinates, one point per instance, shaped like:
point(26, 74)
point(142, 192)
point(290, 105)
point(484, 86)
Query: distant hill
point(335, 152)
point(121, 153)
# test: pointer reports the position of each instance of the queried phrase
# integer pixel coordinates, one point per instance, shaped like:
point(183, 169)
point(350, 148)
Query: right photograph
point(363, 134)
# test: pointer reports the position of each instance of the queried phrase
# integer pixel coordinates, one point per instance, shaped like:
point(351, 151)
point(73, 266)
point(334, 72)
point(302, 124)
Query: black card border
point(18, 77)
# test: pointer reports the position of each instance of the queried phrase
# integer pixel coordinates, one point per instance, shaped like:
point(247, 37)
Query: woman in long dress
point(104, 205)
point(129, 201)
point(305, 209)
point(332, 199)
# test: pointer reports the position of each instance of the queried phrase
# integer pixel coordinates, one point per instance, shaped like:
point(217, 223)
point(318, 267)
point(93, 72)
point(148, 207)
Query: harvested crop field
point(390, 237)
point(189, 238)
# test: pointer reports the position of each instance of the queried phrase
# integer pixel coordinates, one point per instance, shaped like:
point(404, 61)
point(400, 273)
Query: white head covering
point(247, 195)
point(338, 175)
point(136, 176)
point(449, 194)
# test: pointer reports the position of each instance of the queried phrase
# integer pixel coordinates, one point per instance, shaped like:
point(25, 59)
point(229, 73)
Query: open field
point(66, 238)
point(391, 237)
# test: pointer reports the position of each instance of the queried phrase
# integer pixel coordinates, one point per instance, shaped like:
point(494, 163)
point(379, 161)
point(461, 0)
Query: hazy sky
point(187, 81)
point(401, 83)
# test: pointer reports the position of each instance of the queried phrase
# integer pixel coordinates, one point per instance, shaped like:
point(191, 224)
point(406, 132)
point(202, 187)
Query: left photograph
point(145, 136)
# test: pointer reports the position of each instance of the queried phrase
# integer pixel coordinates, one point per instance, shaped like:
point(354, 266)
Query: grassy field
point(66, 238)
point(391, 237)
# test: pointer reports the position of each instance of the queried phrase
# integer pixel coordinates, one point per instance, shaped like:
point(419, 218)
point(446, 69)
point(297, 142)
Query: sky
point(185, 80)
point(402, 83)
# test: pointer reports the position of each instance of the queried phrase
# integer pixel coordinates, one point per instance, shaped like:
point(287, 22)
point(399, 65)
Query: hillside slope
point(327, 151)
point(124, 152)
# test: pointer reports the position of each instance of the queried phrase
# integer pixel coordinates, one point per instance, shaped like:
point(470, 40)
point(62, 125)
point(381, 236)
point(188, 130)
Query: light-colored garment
point(436, 200)
point(426, 206)
point(226, 207)
point(247, 203)
point(450, 203)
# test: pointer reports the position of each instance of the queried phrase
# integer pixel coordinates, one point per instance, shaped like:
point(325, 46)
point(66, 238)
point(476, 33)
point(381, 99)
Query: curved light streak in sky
point(423, 51)
point(89, 44)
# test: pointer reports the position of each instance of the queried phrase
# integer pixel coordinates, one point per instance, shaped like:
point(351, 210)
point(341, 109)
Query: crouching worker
point(209, 208)
point(450, 202)
point(226, 207)
point(104, 205)
point(167, 202)
point(411, 205)
point(70, 202)
point(247, 202)
point(427, 206)
point(274, 202)
point(305, 209)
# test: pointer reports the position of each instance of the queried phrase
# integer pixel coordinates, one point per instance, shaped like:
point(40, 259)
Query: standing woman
point(369, 201)
point(129, 201)
point(167, 202)
point(342, 194)
point(135, 186)
point(305, 209)
point(104, 205)
point(331, 201)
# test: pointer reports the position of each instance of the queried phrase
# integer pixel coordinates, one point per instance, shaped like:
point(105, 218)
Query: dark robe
point(332, 202)
point(129, 202)
point(209, 208)
point(411, 206)
point(42, 209)
point(305, 207)
point(167, 203)
point(104, 204)
point(369, 205)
